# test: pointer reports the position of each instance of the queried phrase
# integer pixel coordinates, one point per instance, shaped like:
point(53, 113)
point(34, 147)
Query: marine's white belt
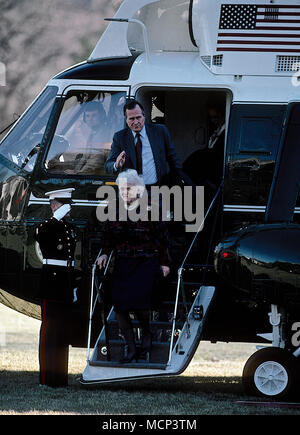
point(54, 262)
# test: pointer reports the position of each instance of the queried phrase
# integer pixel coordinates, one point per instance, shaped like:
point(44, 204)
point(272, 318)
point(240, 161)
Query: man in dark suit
point(205, 166)
point(145, 147)
point(57, 242)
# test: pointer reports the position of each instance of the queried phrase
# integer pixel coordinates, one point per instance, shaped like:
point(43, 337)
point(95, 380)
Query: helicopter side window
point(22, 143)
point(253, 141)
point(13, 190)
point(284, 191)
point(84, 132)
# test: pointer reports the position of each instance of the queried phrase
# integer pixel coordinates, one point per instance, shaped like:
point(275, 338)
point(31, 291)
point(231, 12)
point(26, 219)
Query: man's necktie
point(139, 162)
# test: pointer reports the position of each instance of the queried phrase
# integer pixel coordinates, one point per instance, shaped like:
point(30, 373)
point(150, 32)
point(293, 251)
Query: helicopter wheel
point(271, 372)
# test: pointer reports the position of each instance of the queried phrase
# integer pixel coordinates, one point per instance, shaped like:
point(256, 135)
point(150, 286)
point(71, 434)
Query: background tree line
point(40, 38)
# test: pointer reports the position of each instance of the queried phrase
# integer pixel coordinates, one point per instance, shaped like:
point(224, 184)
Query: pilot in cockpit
point(89, 133)
point(93, 138)
point(88, 140)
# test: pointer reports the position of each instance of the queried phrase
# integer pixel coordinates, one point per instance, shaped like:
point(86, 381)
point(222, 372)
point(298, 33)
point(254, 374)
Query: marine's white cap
point(60, 194)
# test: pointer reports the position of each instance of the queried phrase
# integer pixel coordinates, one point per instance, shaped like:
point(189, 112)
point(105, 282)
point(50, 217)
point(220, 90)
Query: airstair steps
point(161, 320)
point(163, 360)
point(158, 356)
point(161, 332)
point(135, 365)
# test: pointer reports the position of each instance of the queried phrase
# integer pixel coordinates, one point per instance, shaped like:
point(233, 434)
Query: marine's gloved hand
point(62, 211)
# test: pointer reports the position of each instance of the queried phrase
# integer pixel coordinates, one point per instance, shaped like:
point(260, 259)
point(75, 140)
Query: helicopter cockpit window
point(84, 132)
point(22, 143)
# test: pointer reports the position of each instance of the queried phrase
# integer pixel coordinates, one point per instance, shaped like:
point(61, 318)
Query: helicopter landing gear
point(272, 371)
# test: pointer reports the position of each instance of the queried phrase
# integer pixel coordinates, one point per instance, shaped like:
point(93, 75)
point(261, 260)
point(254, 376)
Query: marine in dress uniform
point(56, 238)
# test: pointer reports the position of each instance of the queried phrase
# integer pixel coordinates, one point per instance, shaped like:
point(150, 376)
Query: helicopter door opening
point(196, 120)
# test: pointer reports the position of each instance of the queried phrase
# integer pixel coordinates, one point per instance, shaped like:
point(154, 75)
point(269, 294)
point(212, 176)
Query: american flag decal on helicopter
point(259, 28)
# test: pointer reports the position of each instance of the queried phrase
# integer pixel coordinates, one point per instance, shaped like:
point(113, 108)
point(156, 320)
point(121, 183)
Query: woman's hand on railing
point(165, 270)
point(102, 260)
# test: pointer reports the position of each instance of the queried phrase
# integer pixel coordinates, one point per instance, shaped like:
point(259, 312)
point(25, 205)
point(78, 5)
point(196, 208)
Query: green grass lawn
point(211, 385)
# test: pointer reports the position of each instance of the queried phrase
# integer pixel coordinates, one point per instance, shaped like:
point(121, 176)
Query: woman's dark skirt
point(133, 281)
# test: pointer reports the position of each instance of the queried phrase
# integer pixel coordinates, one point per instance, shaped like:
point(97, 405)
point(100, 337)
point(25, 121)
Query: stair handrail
point(93, 305)
point(180, 283)
point(202, 223)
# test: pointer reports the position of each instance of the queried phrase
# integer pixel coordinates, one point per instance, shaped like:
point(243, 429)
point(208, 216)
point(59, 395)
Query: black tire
point(271, 372)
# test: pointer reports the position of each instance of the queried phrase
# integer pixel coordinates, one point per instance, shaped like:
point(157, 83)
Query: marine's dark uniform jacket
point(57, 243)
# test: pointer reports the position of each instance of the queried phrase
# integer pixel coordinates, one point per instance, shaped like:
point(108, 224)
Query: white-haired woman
point(131, 188)
point(141, 254)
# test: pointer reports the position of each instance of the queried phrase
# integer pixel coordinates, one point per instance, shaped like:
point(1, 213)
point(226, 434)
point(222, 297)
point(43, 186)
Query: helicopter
point(237, 278)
